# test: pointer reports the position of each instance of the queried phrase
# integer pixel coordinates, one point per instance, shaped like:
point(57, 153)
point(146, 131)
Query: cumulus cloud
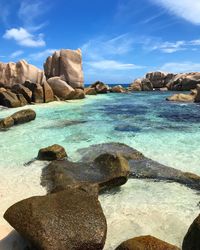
point(24, 38)
point(186, 9)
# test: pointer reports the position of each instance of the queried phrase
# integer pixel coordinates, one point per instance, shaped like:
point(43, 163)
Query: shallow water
point(166, 132)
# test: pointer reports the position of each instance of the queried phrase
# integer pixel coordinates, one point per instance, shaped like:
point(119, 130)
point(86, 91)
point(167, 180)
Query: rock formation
point(51, 153)
point(66, 64)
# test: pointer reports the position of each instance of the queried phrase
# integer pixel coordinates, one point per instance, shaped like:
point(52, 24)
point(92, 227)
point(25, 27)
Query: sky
point(121, 40)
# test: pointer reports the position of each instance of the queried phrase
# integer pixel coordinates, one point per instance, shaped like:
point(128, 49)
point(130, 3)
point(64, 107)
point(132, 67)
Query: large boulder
point(78, 94)
point(9, 99)
point(136, 85)
point(192, 238)
point(67, 63)
point(20, 72)
point(20, 89)
point(146, 243)
point(107, 171)
point(100, 87)
point(60, 88)
point(69, 219)
point(157, 79)
point(147, 85)
point(181, 98)
point(23, 116)
point(53, 152)
point(184, 81)
point(90, 91)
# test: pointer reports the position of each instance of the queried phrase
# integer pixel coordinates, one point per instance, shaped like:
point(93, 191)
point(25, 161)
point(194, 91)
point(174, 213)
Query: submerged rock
point(192, 238)
point(51, 153)
point(140, 166)
point(23, 116)
point(69, 219)
point(146, 243)
point(106, 171)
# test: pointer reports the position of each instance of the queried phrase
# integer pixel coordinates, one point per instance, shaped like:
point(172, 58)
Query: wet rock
point(192, 238)
point(100, 87)
point(181, 98)
point(60, 88)
point(140, 166)
point(6, 122)
point(146, 243)
point(69, 219)
point(23, 116)
point(26, 92)
point(67, 63)
point(48, 93)
point(90, 91)
point(53, 152)
point(106, 171)
point(90, 153)
point(9, 99)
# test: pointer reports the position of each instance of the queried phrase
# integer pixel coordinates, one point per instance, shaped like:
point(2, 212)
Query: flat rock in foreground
point(71, 219)
point(146, 243)
point(141, 167)
point(106, 171)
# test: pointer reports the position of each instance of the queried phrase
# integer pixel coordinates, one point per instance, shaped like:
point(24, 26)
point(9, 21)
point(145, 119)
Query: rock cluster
point(166, 81)
point(70, 215)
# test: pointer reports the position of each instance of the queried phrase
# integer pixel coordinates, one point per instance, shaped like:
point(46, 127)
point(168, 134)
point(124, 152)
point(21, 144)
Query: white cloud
point(177, 67)
point(42, 55)
point(24, 38)
point(16, 54)
point(186, 9)
point(112, 65)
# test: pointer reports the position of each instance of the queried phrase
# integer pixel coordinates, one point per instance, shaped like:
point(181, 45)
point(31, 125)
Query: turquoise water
point(166, 132)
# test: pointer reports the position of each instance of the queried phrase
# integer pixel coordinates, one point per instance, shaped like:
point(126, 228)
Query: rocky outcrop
point(136, 85)
point(60, 88)
point(146, 243)
point(51, 153)
point(48, 93)
point(100, 87)
point(37, 91)
point(21, 89)
point(146, 85)
point(66, 64)
point(107, 171)
point(159, 79)
point(78, 94)
point(20, 72)
point(23, 116)
point(186, 81)
point(69, 219)
point(192, 238)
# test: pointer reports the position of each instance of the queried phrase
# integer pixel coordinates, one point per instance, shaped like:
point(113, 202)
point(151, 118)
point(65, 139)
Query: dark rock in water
point(192, 238)
point(149, 169)
point(9, 99)
point(140, 166)
point(106, 170)
point(6, 122)
point(146, 243)
point(23, 116)
point(100, 87)
point(51, 153)
point(69, 219)
point(92, 152)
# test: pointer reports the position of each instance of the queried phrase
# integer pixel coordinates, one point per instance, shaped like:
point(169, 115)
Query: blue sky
point(120, 39)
